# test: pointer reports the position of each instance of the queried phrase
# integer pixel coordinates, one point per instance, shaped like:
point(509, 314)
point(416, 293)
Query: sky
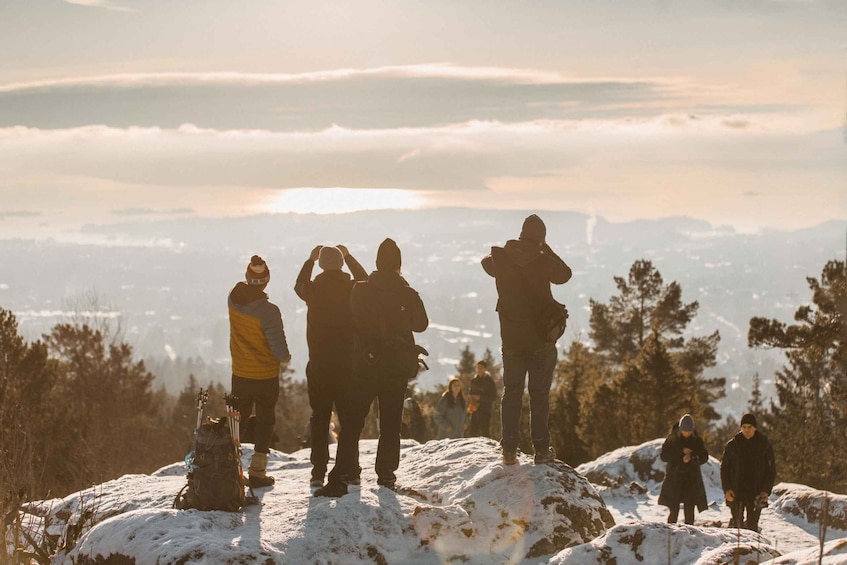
point(732, 111)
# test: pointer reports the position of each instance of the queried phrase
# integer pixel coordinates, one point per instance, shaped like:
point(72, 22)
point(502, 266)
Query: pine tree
point(575, 375)
point(657, 375)
point(808, 424)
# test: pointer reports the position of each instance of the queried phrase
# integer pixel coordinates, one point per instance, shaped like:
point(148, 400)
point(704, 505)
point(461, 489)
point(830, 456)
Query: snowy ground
point(457, 503)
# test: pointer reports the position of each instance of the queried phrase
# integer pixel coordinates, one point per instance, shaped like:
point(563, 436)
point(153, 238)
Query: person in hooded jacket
point(259, 353)
point(451, 412)
point(523, 270)
point(748, 471)
point(482, 394)
point(329, 335)
point(386, 310)
point(684, 452)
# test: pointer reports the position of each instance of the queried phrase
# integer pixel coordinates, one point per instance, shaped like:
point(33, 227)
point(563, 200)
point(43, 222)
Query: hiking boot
point(261, 481)
point(332, 490)
point(510, 456)
point(352, 480)
point(544, 456)
point(316, 483)
point(388, 481)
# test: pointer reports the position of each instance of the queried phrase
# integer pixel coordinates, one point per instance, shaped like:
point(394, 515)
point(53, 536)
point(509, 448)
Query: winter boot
point(387, 481)
point(257, 470)
point(510, 456)
point(332, 490)
point(544, 455)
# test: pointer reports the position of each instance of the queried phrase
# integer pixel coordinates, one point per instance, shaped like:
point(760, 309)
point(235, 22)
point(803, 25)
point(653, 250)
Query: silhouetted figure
point(386, 310)
point(530, 322)
point(482, 395)
point(412, 424)
point(329, 334)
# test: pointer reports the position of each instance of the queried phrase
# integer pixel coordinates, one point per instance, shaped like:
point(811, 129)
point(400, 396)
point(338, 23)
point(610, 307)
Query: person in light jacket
point(451, 412)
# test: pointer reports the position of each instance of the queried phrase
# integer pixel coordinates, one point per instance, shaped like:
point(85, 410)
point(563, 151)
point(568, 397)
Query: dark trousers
point(480, 424)
point(324, 391)
point(261, 394)
point(688, 513)
point(738, 509)
point(539, 363)
point(353, 408)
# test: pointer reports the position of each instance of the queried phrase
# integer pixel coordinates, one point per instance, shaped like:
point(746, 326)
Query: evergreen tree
point(808, 424)
point(657, 375)
point(575, 375)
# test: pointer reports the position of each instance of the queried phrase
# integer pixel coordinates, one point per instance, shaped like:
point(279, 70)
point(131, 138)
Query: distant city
point(163, 285)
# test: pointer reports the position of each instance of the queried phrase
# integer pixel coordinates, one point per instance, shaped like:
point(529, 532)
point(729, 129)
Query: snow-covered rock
point(809, 504)
point(636, 470)
point(833, 553)
point(637, 543)
point(456, 502)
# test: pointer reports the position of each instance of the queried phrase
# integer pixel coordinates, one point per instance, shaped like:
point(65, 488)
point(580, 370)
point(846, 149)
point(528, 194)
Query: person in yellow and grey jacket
point(259, 352)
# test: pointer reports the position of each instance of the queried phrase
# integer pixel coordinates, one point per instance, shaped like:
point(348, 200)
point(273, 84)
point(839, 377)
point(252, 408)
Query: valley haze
point(164, 282)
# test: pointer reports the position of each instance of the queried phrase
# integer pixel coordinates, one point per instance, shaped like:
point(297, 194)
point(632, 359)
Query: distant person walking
point(329, 335)
point(451, 412)
point(482, 394)
point(748, 471)
point(386, 310)
point(412, 424)
point(259, 352)
point(530, 323)
point(684, 452)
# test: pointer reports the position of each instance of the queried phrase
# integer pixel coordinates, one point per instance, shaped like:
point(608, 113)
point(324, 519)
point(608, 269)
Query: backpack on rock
point(215, 476)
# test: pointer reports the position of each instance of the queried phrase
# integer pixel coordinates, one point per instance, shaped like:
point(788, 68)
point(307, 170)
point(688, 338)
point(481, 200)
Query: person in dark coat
point(451, 412)
point(684, 452)
point(523, 270)
point(413, 425)
point(329, 335)
point(482, 394)
point(386, 310)
point(748, 471)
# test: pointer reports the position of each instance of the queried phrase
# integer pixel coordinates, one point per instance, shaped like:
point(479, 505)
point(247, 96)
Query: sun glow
point(342, 200)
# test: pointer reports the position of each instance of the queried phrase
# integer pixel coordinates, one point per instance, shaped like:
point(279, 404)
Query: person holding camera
point(684, 452)
point(523, 270)
point(748, 471)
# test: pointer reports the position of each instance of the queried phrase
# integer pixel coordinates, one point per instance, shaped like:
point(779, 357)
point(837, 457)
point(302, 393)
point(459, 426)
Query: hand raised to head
point(344, 251)
point(315, 253)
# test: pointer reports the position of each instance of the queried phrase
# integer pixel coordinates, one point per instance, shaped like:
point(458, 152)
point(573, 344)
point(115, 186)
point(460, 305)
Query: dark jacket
point(256, 335)
point(450, 416)
point(683, 481)
point(523, 272)
point(739, 452)
point(329, 321)
point(483, 386)
point(386, 310)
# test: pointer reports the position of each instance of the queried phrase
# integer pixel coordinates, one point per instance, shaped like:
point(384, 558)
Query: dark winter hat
point(258, 272)
point(533, 229)
point(686, 423)
point(388, 256)
point(748, 418)
point(330, 258)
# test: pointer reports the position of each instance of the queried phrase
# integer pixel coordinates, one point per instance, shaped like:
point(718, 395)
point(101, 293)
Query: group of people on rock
point(359, 331)
point(748, 472)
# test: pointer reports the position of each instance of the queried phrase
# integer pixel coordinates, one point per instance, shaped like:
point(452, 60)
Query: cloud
point(384, 97)
point(105, 4)
point(151, 212)
point(19, 214)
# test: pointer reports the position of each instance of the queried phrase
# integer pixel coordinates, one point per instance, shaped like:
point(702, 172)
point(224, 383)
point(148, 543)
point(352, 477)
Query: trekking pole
point(233, 418)
point(202, 398)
